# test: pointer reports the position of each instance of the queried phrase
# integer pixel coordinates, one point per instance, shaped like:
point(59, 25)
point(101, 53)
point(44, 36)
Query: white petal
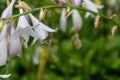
point(22, 22)
point(8, 11)
point(46, 28)
point(3, 44)
point(35, 21)
point(90, 5)
point(77, 21)
point(5, 75)
point(76, 2)
point(3, 52)
point(63, 20)
point(14, 46)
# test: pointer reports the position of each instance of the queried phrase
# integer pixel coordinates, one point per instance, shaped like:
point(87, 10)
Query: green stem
point(72, 7)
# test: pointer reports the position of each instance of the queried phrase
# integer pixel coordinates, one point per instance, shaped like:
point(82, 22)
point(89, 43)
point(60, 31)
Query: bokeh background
point(96, 55)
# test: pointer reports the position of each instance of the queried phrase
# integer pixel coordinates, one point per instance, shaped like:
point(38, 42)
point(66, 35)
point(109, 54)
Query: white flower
point(24, 30)
point(5, 75)
point(77, 21)
point(63, 20)
point(76, 2)
point(91, 6)
point(40, 28)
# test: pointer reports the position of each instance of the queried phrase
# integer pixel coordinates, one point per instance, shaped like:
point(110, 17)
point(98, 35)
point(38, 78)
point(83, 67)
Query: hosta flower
point(91, 6)
point(59, 1)
point(24, 30)
point(40, 28)
point(77, 21)
point(76, 2)
point(5, 34)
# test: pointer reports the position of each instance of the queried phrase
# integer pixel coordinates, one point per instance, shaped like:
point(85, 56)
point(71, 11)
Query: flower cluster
point(11, 37)
point(76, 18)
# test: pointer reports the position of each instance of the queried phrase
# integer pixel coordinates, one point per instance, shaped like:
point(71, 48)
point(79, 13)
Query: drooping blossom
point(40, 29)
point(5, 33)
point(24, 30)
point(91, 6)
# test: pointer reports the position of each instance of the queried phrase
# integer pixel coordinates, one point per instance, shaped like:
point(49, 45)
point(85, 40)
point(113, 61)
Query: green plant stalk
point(53, 6)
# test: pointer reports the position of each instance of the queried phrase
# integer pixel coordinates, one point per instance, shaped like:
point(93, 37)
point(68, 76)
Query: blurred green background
point(97, 59)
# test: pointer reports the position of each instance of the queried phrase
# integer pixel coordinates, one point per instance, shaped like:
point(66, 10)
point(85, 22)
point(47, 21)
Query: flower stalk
point(53, 6)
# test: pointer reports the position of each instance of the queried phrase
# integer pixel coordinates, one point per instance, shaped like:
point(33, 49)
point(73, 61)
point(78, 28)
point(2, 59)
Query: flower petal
point(76, 2)
point(14, 46)
point(77, 21)
point(63, 20)
point(5, 75)
point(8, 11)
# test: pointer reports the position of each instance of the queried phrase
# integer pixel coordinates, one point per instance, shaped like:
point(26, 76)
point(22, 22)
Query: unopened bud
point(114, 28)
point(96, 22)
point(77, 41)
point(8, 2)
point(23, 5)
point(42, 14)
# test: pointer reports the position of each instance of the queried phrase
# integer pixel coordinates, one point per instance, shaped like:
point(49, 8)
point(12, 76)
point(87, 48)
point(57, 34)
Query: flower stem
point(72, 7)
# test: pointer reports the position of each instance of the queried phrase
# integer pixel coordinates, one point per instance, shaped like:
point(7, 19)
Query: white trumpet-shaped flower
point(77, 20)
point(24, 30)
point(40, 28)
point(91, 6)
